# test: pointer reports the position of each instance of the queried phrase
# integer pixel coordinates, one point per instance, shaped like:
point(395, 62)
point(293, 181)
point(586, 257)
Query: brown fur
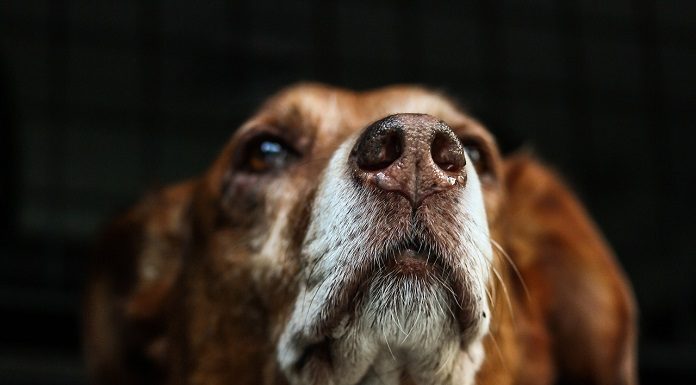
point(175, 296)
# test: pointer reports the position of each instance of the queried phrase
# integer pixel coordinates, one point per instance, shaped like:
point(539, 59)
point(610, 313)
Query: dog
point(360, 238)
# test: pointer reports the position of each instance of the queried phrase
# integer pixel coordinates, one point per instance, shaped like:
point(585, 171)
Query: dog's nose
point(415, 155)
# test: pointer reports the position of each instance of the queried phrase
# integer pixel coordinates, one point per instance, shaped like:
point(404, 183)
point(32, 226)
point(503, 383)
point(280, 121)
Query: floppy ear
point(572, 276)
point(131, 278)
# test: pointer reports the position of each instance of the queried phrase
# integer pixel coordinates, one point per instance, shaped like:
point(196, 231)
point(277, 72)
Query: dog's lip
point(412, 257)
point(415, 249)
point(411, 252)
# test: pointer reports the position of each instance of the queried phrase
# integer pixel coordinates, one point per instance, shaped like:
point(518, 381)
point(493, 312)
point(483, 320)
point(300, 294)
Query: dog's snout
point(415, 155)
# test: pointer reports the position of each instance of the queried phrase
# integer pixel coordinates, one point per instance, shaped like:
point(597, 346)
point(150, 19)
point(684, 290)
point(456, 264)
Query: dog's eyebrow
point(287, 119)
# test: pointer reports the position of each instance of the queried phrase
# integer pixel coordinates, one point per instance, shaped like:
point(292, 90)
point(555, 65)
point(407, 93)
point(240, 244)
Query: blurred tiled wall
point(105, 99)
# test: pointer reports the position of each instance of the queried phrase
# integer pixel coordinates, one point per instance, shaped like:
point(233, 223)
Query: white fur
point(403, 324)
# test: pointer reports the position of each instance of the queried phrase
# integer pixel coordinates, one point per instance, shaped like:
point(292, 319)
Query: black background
point(101, 100)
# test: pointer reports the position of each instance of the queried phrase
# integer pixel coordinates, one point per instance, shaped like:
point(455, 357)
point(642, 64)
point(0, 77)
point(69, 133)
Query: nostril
point(447, 153)
point(378, 148)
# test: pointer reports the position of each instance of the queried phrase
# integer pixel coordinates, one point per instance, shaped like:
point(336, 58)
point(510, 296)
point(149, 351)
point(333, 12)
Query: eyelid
point(250, 131)
point(474, 141)
point(259, 137)
point(484, 151)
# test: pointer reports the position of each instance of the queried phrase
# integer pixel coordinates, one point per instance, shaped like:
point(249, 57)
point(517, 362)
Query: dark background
point(101, 100)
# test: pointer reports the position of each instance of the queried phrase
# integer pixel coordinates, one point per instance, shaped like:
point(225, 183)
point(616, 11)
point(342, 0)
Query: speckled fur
point(243, 279)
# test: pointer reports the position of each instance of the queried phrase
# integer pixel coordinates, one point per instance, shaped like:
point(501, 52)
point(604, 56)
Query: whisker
point(514, 267)
point(490, 297)
point(396, 321)
point(446, 286)
point(500, 353)
point(384, 333)
point(505, 291)
point(311, 302)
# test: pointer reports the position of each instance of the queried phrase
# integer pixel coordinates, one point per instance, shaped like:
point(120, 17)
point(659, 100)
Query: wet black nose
point(415, 155)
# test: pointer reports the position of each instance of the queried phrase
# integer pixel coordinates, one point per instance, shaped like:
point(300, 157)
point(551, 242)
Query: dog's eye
point(474, 153)
point(478, 157)
point(266, 153)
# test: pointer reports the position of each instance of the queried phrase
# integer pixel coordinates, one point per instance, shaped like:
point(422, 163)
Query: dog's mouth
point(414, 263)
point(414, 257)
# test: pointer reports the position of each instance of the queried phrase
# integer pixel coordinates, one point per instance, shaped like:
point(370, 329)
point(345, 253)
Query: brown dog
point(360, 238)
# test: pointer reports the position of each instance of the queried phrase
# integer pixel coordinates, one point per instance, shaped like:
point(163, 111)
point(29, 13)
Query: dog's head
point(344, 238)
point(363, 219)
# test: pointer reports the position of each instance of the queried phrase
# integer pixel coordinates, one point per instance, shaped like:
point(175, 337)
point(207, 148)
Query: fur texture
point(287, 266)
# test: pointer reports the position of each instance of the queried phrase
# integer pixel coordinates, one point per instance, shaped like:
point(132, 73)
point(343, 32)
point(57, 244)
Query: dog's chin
point(410, 301)
point(403, 322)
point(410, 306)
point(411, 287)
point(409, 293)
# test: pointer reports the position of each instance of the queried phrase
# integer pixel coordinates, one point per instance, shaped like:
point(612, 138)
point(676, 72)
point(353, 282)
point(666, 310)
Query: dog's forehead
point(326, 112)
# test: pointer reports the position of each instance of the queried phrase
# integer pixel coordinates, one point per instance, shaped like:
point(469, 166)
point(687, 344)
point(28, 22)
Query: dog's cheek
point(242, 200)
point(276, 260)
point(276, 236)
point(300, 221)
point(493, 198)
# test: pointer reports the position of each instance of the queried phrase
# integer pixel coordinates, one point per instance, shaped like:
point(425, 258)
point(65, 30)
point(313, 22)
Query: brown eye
point(266, 153)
